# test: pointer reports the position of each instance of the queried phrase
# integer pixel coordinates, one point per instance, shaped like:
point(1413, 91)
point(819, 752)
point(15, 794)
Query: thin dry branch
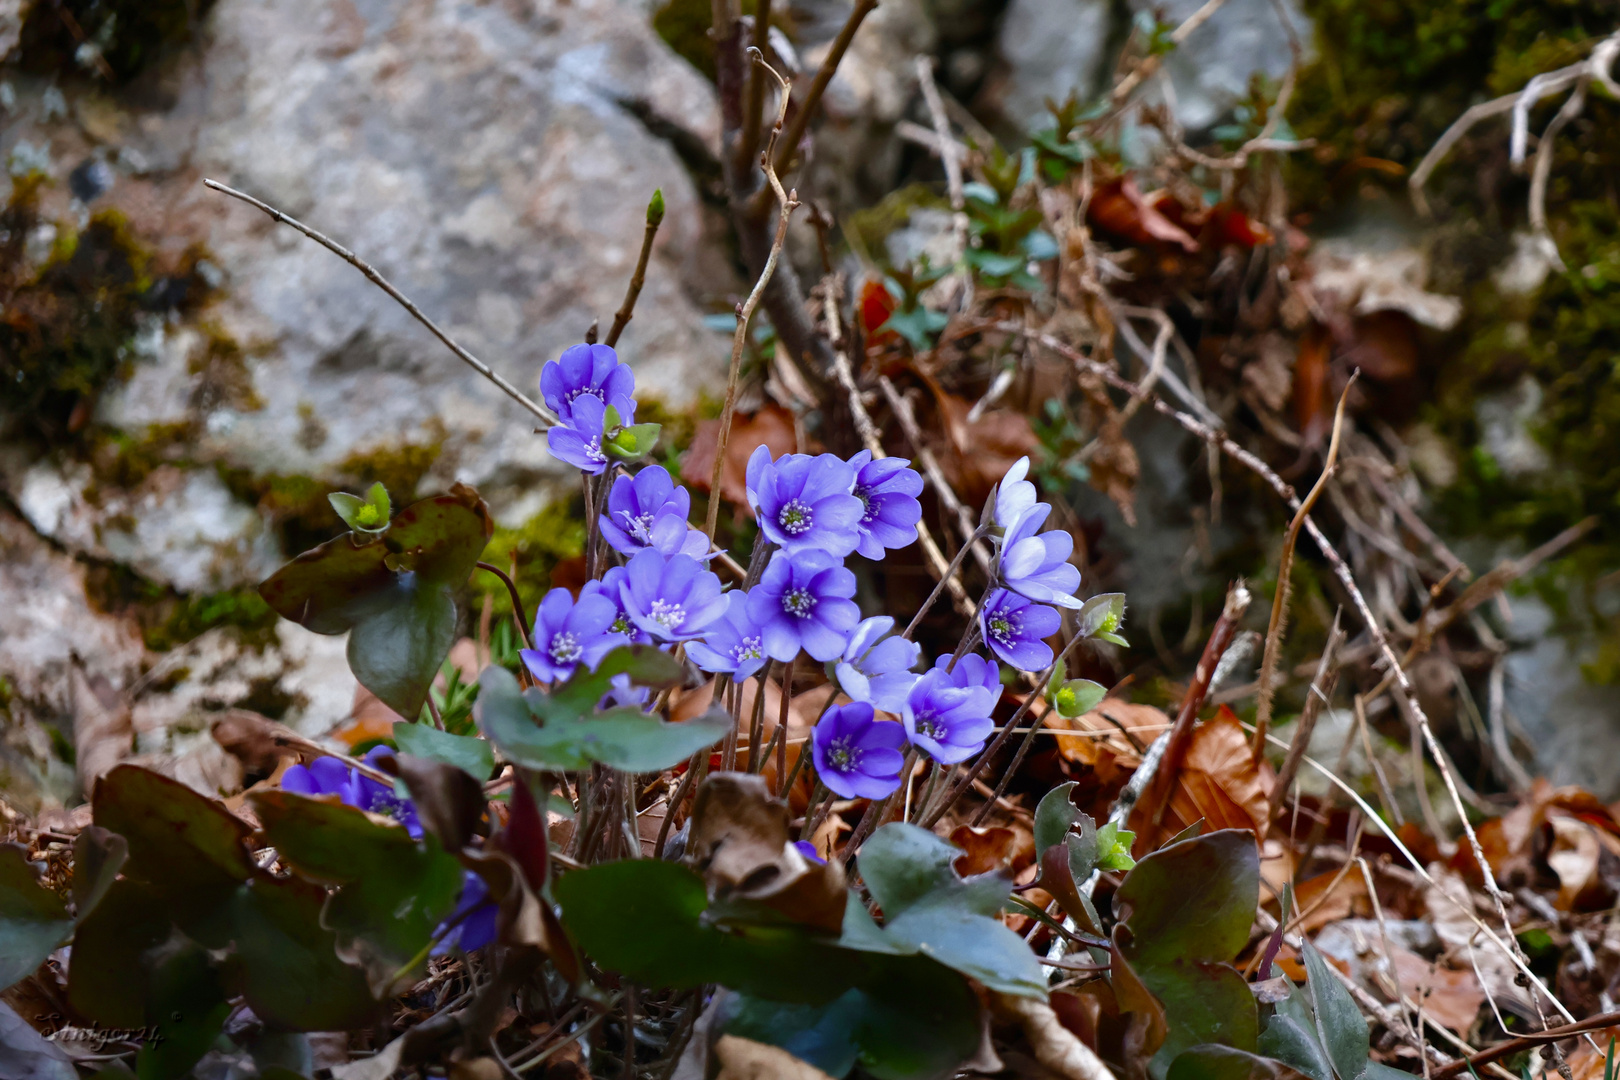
point(1319, 697)
point(789, 146)
point(745, 311)
point(1276, 628)
point(947, 495)
point(541, 413)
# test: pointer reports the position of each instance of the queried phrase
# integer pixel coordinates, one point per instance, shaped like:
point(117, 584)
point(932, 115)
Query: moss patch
point(168, 618)
point(554, 535)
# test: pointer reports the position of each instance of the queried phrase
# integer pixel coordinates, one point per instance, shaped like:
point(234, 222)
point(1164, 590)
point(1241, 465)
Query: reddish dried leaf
point(1450, 998)
point(1226, 224)
point(1219, 784)
point(1120, 209)
point(877, 303)
point(771, 426)
point(1312, 409)
point(984, 850)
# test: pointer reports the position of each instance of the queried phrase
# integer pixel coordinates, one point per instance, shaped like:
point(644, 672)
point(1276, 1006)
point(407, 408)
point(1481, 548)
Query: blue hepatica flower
point(1038, 566)
point(584, 372)
point(875, 669)
point(856, 756)
point(578, 439)
point(808, 850)
point(670, 597)
point(733, 644)
point(803, 503)
point(803, 599)
point(329, 776)
point(651, 510)
point(608, 587)
point(569, 632)
point(472, 923)
point(1015, 628)
point(1013, 495)
point(888, 490)
point(948, 713)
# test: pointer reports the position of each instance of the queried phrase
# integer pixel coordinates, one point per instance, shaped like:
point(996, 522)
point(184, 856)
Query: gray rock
point(1210, 72)
point(1052, 48)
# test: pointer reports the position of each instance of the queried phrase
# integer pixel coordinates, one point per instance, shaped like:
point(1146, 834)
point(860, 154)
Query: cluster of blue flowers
point(813, 511)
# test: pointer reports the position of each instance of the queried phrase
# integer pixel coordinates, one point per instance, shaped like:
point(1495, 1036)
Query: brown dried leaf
point(1327, 898)
point(1574, 855)
point(984, 849)
point(771, 426)
point(979, 453)
point(739, 841)
point(744, 1059)
point(1219, 783)
point(1451, 998)
point(1143, 723)
point(251, 739)
point(1056, 1047)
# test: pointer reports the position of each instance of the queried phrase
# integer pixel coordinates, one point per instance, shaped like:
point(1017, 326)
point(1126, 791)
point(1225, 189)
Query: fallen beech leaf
point(1056, 1047)
point(1450, 998)
point(1574, 855)
point(251, 739)
point(745, 1059)
point(1119, 208)
point(739, 841)
point(1143, 723)
point(984, 850)
point(982, 451)
point(771, 426)
point(1219, 783)
point(1327, 898)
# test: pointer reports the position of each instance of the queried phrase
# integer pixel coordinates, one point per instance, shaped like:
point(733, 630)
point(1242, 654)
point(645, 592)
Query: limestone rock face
point(487, 158)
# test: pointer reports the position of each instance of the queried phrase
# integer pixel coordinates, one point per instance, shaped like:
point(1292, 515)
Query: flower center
point(623, 625)
point(751, 648)
point(794, 518)
point(930, 728)
point(667, 615)
point(593, 450)
point(866, 504)
point(638, 525)
point(565, 648)
point(389, 805)
point(798, 603)
point(842, 756)
point(1003, 628)
point(585, 391)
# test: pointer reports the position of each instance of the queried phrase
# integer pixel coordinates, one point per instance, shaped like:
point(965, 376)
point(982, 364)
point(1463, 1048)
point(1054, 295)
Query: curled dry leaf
point(984, 850)
point(1451, 998)
point(1575, 853)
point(1120, 209)
point(771, 426)
point(1056, 1047)
point(745, 1059)
point(739, 841)
point(1219, 783)
point(1112, 737)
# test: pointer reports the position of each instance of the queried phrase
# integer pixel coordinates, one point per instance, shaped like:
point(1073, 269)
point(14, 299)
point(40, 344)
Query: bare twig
point(621, 318)
point(1276, 628)
point(787, 147)
point(541, 413)
point(745, 311)
point(1319, 697)
point(947, 495)
point(1543, 168)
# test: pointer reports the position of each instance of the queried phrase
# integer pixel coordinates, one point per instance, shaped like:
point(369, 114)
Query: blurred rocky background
point(182, 382)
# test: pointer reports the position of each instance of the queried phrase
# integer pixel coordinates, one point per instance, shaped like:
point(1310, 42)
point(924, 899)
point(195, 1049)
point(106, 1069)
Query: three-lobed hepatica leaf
point(558, 730)
point(33, 920)
point(392, 891)
point(391, 593)
point(900, 1016)
point(193, 920)
point(928, 909)
point(1189, 907)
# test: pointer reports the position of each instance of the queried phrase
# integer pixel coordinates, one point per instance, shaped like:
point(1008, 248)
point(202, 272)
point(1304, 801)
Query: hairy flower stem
point(877, 811)
point(780, 738)
point(939, 587)
point(816, 810)
point(756, 722)
point(989, 752)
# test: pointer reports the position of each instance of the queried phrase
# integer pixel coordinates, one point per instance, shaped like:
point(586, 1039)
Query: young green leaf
point(1054, 816)
point(1078, 697)
point(632, 443)
point(1102, 615)
point(369, 515)
point(1114, 847)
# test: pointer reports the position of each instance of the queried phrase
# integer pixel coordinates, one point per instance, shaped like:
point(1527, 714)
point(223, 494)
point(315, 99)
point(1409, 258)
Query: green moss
point(128, 35)
point(866, 229)
point(168, 618)
point(554, 535)
point(684, 26)
point(66, 328)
